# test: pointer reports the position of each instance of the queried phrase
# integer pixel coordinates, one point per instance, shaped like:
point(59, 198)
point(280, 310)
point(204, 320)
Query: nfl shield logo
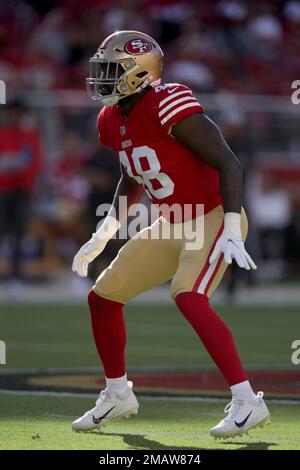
point(122, 130)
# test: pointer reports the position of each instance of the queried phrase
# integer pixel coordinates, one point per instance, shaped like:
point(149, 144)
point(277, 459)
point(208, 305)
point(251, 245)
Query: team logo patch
point(138, 46)
point(126, 144)
point(122, 130)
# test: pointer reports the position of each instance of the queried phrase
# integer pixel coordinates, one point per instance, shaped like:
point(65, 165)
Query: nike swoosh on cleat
point(242, 423)
point(98, 420)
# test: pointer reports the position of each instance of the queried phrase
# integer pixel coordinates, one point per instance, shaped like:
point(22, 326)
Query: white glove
point(231, 244)
point(91, 249)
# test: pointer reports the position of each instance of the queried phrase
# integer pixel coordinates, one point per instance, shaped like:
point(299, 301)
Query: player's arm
point(130, 188)
point(204, 138)
point(90, 250)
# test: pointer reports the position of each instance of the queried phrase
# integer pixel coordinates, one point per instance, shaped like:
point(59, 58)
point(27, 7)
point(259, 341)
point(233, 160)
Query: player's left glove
point(231, 243)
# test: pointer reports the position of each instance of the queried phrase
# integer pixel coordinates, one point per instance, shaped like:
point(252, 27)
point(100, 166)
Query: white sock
point(118, 385)
point(243, 390)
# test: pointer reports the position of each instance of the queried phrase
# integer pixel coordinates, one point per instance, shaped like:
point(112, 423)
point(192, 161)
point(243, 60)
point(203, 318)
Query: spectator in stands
point(271, 213)
point(69, 189)
point(20, 163)
point(234, 44)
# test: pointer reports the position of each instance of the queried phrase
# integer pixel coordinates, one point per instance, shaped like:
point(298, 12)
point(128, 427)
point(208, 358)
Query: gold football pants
point(150, 259)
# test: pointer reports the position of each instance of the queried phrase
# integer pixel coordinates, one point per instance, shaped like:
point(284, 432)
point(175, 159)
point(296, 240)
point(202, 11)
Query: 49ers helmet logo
point(138, 46)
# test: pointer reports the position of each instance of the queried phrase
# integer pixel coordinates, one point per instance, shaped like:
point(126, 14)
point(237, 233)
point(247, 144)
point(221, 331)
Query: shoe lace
point(233, 408)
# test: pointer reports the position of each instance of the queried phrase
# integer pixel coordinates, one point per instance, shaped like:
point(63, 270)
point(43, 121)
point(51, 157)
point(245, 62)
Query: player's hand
point(91, 249)
point(231, 244)
point(87, 253)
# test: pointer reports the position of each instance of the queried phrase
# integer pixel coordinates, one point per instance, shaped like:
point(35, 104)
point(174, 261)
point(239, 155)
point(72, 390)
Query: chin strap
point(112, 100)
point(144, 84)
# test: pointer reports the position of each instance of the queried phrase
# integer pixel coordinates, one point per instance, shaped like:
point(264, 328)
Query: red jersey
point(169, 171)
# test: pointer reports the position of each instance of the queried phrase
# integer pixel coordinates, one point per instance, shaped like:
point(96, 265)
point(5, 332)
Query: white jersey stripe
point(180, 100)
point(206, 278)
point(177, 110)
point(173, 95)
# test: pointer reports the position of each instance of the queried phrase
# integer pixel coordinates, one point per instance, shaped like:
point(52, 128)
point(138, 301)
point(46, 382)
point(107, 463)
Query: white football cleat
point(109, 406)
point(242, 415)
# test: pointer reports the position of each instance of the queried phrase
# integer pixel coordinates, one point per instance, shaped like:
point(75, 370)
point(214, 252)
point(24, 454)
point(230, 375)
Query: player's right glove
point(91, 249)
point(231, 243)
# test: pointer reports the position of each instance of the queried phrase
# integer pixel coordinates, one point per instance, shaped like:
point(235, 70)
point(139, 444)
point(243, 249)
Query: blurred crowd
point(48, 200)
point(237, 45)
point(49, 193)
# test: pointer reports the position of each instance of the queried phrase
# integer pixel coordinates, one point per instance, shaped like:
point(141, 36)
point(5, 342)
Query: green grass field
point(40, 336)
point(44, 423)
point(59, 336)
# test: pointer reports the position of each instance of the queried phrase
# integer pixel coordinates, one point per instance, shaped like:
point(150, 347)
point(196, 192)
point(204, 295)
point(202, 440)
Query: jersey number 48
point(156, 183)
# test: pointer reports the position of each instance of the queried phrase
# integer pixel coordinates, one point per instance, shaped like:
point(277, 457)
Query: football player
point(169, 148)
